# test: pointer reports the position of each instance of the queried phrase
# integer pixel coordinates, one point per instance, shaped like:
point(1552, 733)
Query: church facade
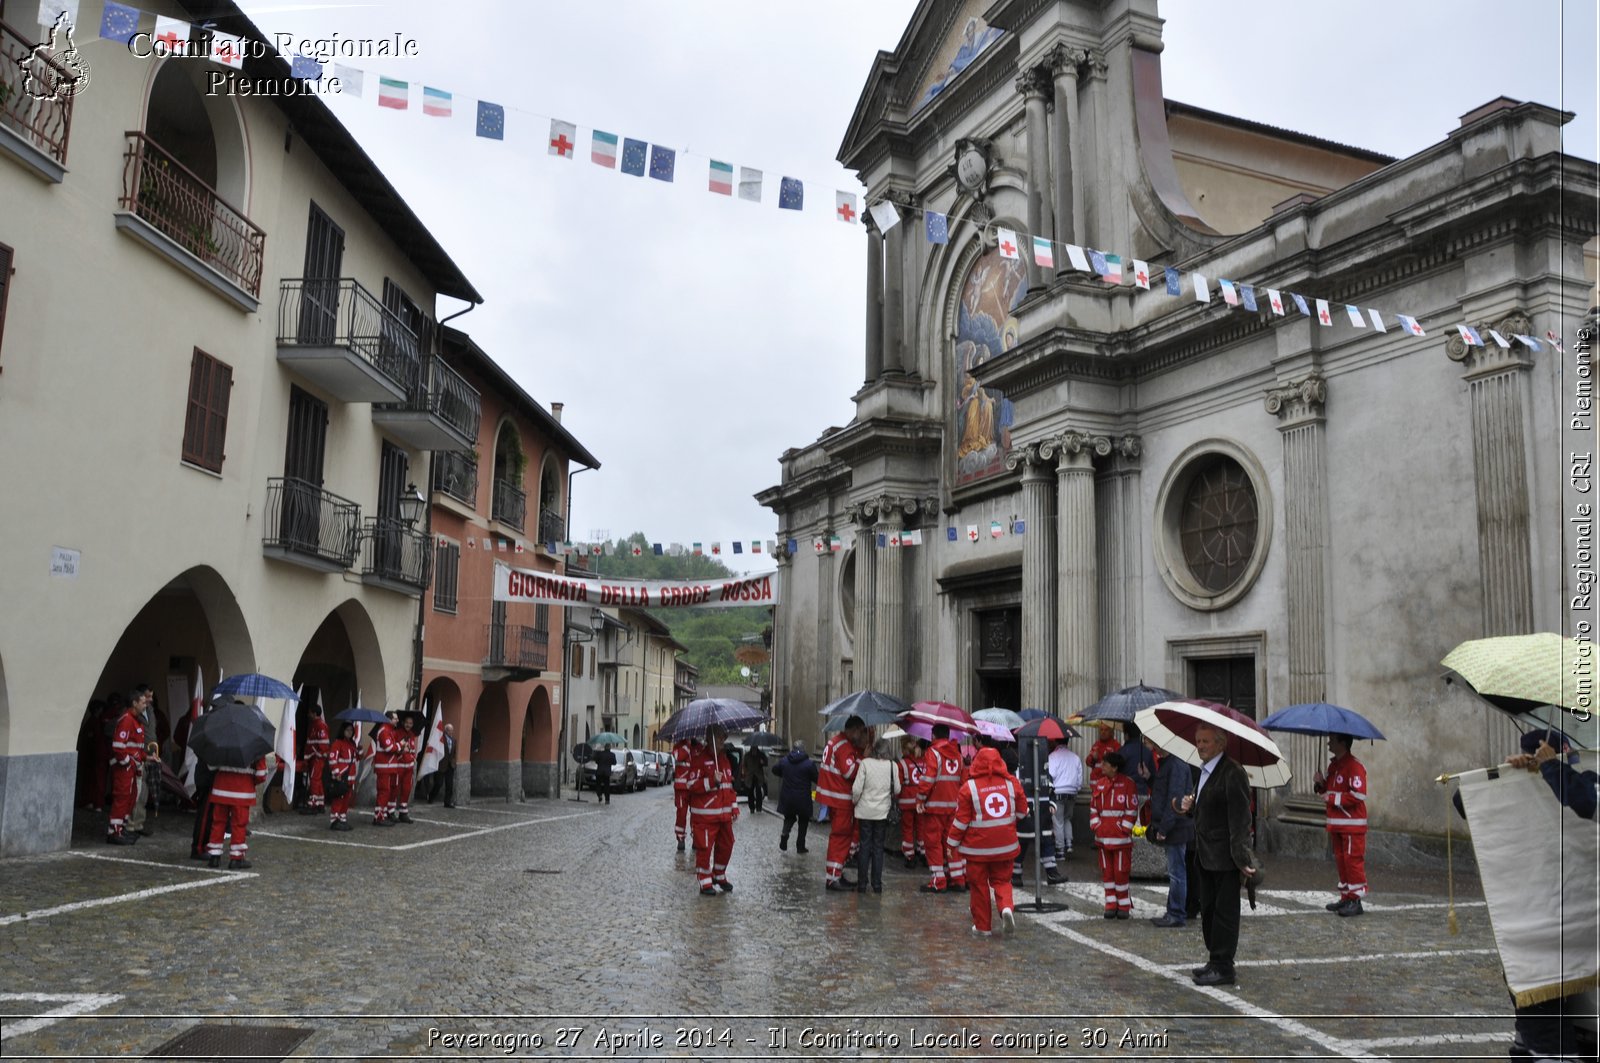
point(1106, 484)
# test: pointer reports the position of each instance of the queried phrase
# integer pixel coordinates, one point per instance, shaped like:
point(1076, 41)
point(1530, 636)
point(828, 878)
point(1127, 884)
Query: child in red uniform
point(342, 759)
point(1112, 809)
point(984, 832)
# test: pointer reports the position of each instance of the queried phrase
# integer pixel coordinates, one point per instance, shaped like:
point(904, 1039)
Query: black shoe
point(447, 804)
point(144, 832)
point(1016, 880)
point(1336, 905)
point(405, 817)
point(783, 842)
point(680, 845)
point(1352, 908)
point(847, 882)
point(861, 888)
point(1054, 877)
point(799, 848)
point(928, 887)
point(834, 885)
point(1123, 913)
point(1214, 977)
point(1111, 913)
point(727, 887)
point(1166, 920)
point(213, 861)
point(959, 887)
point(1198, 971)
point(911, 863)
point(239, 863)
point(708, 891)
point(877, 888)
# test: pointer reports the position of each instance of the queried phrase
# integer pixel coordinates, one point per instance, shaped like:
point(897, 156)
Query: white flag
point(227, 50)
point(1202, 288)
point(1501, 340)
point(844, 207)
point(1079, 260)
point(433, 751)
point(190, 761)
point(1007, 242)
point(285, 747)
point(885, 214)
point(750, 184)
point(350, 79)
point(1356, 320)
point(1141, 274)
point(1377, 320)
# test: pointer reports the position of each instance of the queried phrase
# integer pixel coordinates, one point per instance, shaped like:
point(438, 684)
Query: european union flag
point(939, 233)
point(1097, 259)
point(633, 152)
point(1020, 527)
point(1174, 282)
point(791, 194)
point(655, 548)
point(1248, 295)
point(883, 540)
point(950, 533)
point(738, 547)
point(491, 120)
point(305, 68)
point(793, 546)
point(119, 23)
point(1300, 304)
point(662, 162)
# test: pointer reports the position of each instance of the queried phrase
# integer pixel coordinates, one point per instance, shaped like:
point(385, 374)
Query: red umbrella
point(934, 712)
point(1048, 728)
point(1171, 726)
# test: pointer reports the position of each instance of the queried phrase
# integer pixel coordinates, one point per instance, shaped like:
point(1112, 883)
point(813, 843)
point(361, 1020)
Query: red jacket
point(127, 742)
point(237, 786)
point(386, 748)
point(987, 807)
point(1345, 794)
point(710, 786)
point(342, 759)
point(405, 746)
point(912, 774)
point(837, 773)
point(682, 753)
point(942, 769)
point(1112, 811)
point(316, 741)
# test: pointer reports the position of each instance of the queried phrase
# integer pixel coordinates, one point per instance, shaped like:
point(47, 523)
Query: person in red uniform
point(385, 763)
point(314, 758)
point(1106, 743)
point(233, 794)
point(405, 769)
point(841, 759)
point(1113, 809)
point(984, 832)
point(342, 759)
point(713, 806)
point(911, 771)
point(1344, 790)
point(936, 808)
point(127, 765)
point(682, 754)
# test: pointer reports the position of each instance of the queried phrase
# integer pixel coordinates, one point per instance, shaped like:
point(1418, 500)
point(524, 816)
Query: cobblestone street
point(575, 930)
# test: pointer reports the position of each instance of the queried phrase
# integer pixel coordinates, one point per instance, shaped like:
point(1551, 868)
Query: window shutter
point(205, 423)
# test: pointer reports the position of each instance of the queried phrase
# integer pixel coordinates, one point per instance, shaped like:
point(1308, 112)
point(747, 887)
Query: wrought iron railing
point(552, 529)
point(302, 518)
point(171, 197)
point(444, 393)
point(510, 505)
point(338, 312)
point(35, 94)
point(456, 474)
point(518, 646)
point(396, 552)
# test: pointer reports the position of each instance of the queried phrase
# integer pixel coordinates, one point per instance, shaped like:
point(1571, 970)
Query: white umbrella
point(1171, 726)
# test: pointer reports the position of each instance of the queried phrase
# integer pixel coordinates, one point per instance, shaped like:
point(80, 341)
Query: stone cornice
point(891, 508)
point(1492, 359)
point(1298, 401)
point(882, 436)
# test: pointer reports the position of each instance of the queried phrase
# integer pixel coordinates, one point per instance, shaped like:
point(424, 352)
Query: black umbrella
point(699, 716)
point(874, 707)
point(232, 736)
point(762, 738)
point(1123, 704)
point(362, 714)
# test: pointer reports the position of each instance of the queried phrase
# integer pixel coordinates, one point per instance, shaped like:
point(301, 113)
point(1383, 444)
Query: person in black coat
point(604, 761)
point(1172, 781)
point(1221, 810)
point(799, 775)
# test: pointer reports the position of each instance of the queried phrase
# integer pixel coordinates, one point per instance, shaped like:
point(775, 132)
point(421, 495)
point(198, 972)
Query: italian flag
point(436, 102)
point(721, 178)
point(603, 149)
point(392, 93)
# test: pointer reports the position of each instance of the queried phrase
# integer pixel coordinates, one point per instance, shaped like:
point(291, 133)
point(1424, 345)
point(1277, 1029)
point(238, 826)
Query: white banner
point(1537, 863)
point(523, 585)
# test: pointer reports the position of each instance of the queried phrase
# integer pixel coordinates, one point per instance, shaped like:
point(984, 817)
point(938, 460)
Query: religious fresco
point(985, 329)
point(976, 35)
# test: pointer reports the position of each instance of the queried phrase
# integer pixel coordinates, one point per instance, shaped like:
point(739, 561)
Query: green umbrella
point(607, 738)
point(1519, 673)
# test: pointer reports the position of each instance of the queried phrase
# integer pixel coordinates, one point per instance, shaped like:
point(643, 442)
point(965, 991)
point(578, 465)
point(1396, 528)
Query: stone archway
point(496, 745)
point(539, 751)
point(443, 698)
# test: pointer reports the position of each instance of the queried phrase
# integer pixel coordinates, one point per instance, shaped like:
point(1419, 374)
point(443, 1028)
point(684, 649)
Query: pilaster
point(1035, 86)
point(1039, 590)
point(1077, 627)
point(1121, 565)
point(866, 589)
point(1068, 192)
point(897, 357)
point(874, 338)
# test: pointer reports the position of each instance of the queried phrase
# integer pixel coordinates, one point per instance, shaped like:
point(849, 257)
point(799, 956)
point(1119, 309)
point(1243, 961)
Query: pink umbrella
point(924, 731)
point(1171, 726)
point(935, 712)
point(990, 729)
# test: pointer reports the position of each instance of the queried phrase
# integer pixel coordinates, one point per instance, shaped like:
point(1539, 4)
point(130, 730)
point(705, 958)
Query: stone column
point(889, 634)
point(866, 589)
point(1038, 579)
point(1094, 222)
point(1298, 405)
point(1118, 526)
point(827, 647)
point(874, 368)
point(895, 358)
point(781, 709)
point(1497, 381)
point(1077, 627)
point(1068, 196)
point(1034, 84)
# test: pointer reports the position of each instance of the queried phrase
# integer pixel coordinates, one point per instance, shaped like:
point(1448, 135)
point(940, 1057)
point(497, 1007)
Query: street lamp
point(411, 505)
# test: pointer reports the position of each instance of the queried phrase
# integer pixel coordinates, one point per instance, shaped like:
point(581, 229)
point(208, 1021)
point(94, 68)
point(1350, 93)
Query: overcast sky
point(693, 338)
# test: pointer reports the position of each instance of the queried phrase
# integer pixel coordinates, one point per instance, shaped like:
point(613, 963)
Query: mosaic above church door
point(985, 329)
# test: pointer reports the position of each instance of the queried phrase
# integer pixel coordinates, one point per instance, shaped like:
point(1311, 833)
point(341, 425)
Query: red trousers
point(1350, 858)
point(713, 844)
point(680, 802)
point(844, 834)
point(984, 876)
point(385, 780)
point(314, 793)
point(908, 832)
point(233, 820)
point(1115, 863)
point(934, 827)
point(339, 807)
point(405, 782)
point(124, 790)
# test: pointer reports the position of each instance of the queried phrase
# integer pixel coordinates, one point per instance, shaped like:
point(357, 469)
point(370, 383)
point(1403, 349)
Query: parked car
point(652, 767)
point(624, 773)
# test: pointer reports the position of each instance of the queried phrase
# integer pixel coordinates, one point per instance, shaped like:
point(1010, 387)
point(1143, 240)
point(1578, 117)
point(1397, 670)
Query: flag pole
point(1476, 773)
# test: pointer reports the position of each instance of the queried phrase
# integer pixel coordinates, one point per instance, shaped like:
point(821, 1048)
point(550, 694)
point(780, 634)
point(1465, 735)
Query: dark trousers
point(444, 779)
point(1219, 916)
point(869, 859)
point(603, 781)
point(789, 820)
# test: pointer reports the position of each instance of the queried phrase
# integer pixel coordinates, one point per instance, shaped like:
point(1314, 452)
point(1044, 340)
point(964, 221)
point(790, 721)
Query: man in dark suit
point(1221, 810)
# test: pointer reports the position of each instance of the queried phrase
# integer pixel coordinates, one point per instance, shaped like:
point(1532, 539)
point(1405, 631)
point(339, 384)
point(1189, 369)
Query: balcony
point(510, 506)
point(456, 475)
point(308, 526)
point(35, 105)
point(167, 207)
point(442, 411)
point(516, 652)
point(340, 337)
point(395, 556)
point(552, 529)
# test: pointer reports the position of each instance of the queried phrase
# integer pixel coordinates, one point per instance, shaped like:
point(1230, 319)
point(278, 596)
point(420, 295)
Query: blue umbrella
point(254, 685)
point(361, 714)
point(1123, 704)
point(702, 714)
point(1032, 714)
point(874, 707)
point(1320, 718)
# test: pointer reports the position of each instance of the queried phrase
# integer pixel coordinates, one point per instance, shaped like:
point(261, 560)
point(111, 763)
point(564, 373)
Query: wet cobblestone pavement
point(563, 929)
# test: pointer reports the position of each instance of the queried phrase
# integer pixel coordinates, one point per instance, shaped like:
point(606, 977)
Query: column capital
point(1075, 449)
point(1064, 60)
point(887, 508)
point(903, 198)
point(1098, 67)
point(1298, 401)
point(1035, 83)
point(1492, 358)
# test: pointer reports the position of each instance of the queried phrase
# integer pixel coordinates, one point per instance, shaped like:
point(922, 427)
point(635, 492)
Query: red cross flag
point(563, 137)
point(1276, 299)
point(1008, 243)
point(637, 550)
point(1322, 313)
point(1141, 274)
point(844, 207)
point(227, 50)
point(972, 532)
point(171, 32)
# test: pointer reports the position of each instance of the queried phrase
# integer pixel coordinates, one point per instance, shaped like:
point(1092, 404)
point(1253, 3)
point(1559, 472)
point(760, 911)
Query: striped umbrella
point(702, 714)
point(937, 712)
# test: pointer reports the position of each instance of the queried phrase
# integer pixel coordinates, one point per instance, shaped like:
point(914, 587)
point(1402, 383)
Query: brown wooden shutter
point(205, 426)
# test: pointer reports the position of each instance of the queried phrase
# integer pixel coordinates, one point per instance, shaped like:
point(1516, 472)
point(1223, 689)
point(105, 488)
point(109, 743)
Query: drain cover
point(543, 871)
point(219, 1043)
